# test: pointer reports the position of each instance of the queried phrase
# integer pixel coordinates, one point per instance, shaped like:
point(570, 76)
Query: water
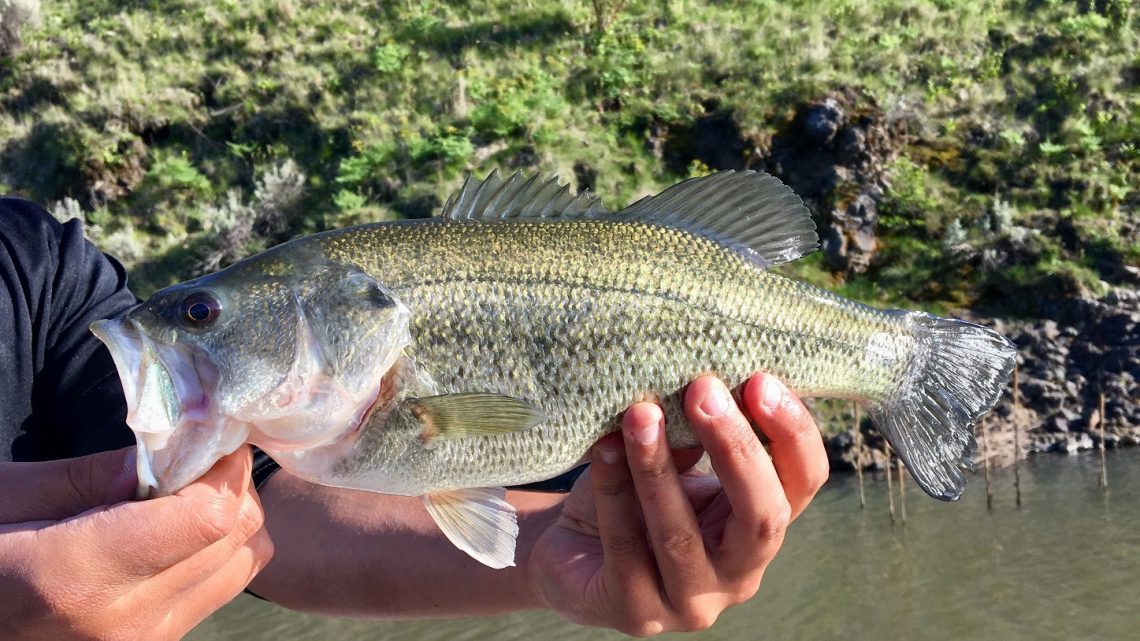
point(1064, 566)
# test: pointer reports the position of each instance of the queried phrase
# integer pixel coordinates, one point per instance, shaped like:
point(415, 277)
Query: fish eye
point(200, 309)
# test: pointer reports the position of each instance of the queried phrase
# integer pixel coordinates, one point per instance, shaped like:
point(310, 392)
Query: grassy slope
point(168, 123)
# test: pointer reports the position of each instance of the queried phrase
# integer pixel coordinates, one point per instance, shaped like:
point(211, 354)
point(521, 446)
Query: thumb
point(56, 490)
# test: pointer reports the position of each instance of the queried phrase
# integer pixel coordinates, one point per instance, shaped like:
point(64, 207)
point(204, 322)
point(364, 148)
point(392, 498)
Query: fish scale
point(617, 312)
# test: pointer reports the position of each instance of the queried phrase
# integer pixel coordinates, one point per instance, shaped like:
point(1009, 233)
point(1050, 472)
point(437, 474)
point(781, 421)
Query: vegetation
point(188, 134)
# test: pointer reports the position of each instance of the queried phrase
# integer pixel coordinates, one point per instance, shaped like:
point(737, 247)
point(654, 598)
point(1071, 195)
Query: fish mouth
point(168, 389)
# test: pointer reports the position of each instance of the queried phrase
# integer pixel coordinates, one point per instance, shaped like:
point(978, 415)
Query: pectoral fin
point(473, 414)
point(478, 521)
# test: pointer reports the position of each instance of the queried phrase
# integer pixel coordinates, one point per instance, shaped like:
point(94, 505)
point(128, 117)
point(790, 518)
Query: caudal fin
point(956, 374)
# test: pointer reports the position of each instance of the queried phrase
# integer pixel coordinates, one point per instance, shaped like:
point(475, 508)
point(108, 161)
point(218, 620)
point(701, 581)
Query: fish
point(492, 345)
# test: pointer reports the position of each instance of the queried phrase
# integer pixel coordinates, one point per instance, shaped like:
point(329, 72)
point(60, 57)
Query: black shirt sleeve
point(59, 393)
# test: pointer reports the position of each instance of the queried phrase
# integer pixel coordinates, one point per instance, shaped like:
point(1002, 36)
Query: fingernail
point(609, 453)
point(647, 434)
point(716, 401)
point(773, 393)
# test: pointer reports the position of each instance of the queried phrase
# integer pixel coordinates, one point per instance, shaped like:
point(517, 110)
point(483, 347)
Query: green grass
point(157, 118)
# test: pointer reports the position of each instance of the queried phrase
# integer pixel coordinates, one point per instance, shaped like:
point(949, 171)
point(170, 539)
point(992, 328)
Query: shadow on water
point(1061, 567)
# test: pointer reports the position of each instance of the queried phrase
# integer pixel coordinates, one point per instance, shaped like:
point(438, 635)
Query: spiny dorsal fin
point(751, 212)
point(519, 197)
point(473, 414)
point(478, 521)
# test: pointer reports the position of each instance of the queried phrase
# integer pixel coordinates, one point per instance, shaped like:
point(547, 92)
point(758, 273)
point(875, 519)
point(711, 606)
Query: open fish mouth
point(168, 389)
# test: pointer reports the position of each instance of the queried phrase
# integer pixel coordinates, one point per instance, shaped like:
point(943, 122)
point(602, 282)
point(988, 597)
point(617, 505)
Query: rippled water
point(1064, 566)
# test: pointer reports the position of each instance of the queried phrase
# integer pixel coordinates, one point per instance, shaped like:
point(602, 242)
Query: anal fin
point(478, 521)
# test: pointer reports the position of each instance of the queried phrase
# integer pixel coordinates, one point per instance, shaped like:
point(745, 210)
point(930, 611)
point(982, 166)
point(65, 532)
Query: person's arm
point(701, 545)
point(78, 561)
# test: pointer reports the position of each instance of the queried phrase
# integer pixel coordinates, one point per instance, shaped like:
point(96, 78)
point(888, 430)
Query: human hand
point(77, 561)
point(643, 548)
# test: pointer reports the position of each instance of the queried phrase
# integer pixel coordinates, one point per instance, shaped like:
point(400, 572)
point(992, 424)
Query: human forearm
point(357, 554)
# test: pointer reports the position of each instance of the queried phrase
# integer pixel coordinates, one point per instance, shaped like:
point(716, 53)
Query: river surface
point(1066, 565)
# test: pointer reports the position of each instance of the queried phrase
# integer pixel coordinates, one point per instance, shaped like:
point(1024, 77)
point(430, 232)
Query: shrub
point(15, 16)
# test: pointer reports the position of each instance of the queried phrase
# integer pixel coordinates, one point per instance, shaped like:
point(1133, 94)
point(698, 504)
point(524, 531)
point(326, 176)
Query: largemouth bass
point(493, 345)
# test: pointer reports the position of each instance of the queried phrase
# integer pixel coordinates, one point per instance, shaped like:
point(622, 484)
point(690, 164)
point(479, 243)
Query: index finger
point(143, 538)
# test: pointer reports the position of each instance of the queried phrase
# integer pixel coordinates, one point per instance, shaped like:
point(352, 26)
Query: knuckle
point(680, 544)
point(637, 617)
point(744, 446)
point(642, 628)
point(611, 489)
point(799, 426)
point(80, 477)
point(625, 544)
point(653, 470)
point(251, 518)
point(697, 619)
point(214, 519)
point(745, 591)
point(819, 476)
point(775, 523)
point(263, 549)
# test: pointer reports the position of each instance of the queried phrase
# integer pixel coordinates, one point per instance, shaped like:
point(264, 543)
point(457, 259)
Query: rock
point(834, 153)
point(823, 121)
point(1110, 440)
point(1118, 327)
point(852, 145)
point(849, 242)
point(1036, 389)
point(1065, 363)
point(1056, 424)
point(841, 449)
point(1074, 443)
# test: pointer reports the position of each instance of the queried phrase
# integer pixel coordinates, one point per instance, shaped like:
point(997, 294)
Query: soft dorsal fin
point(751, 212)
point(519, 197)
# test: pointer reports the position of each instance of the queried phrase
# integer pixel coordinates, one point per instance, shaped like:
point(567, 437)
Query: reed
point(890, 484)
point(1103, 464)
point(859, 457)
point(1016, 436)
point(902, 491)
point(984, 425)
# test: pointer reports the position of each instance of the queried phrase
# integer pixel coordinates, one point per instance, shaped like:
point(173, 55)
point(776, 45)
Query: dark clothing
point(59, 393)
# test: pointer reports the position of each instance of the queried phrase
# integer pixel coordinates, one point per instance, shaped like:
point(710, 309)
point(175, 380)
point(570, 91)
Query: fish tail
point(957, 372)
